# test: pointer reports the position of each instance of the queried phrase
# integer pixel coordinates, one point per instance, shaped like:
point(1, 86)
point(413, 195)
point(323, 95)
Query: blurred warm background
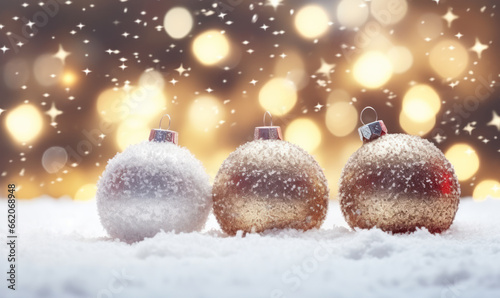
point(81, 80)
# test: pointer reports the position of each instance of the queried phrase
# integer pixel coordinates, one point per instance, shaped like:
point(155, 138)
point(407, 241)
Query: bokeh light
point(278, 96)
point(16, 73)
point(68, 78)
point(464, 159)
point(311, 21)
point(341, 118)
point(47, 69)
point(152, 78)
point(305, 133)
point(211, 47)
point(132, 131)
point(54, 159)
point(292, 68)
point(111, 104)
point(341, 153)
point(430, 25)
point(388, 12)
point(205, 113)
point(145, 101)
point(24, 123)
point(215, 68)
point(178, 22)
point(352, 13)
point(86, 192)
point(421, 103)
point(413, 127)
point(372, 70)
point(401, 59)
point(449, 58)
point(486, 188)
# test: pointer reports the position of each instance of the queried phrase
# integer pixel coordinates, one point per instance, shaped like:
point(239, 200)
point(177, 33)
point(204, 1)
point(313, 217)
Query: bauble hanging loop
point(164, 135)
point(268, 132)
point(373, 130)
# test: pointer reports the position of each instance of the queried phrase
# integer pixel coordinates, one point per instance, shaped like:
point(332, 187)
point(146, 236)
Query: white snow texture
point(151, 187)
point(63, 252)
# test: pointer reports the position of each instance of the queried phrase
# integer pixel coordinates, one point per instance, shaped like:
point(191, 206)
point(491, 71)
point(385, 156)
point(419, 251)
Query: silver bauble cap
point(164, 135)
point(373, 130)
point(268, 132)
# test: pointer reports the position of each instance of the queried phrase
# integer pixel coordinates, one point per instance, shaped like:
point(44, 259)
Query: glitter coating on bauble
point(269, 184)
point(399, 183)
point(151, 187)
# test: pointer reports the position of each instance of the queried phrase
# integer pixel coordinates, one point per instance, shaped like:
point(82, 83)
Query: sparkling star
point(109, 51)
point(61, 54)
point(439, 138)
point(274, 3)
point(181, 69)
point(318, 106)
point(1, 111)
point(80, 26)
point(253, 82)
point(459, 35)
point(173, 81)
point(87, 71)
point(4, 49)
point(209, 90)
point(264, 27)
point(123, 66)
point(53, 112)
point(478, 48)
point(126, 34)
point(222, 15)
point(495, 120)
point(283, 55)
point(469, 127)
point(325, 68)
point(102, 136)
point(450, 17)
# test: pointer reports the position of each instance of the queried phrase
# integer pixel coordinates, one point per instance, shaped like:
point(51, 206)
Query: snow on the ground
point(64, 252)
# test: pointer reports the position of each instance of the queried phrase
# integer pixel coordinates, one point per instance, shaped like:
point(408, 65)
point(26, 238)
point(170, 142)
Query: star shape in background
point(450, 17)
point(479, 48)
point(495, 121)
point(62, 54)
point(181, 69)
point(53, 112)
point(469, 127)
point(325, 68)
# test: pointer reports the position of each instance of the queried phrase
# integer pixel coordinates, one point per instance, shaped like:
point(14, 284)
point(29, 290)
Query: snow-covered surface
point(63, 251)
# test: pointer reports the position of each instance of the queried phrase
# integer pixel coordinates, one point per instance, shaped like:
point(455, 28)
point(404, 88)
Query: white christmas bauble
point(151, 187)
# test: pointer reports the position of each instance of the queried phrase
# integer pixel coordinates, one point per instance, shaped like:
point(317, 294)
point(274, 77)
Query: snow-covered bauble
point(398, 183)
point(153, 186)
point(269, 183)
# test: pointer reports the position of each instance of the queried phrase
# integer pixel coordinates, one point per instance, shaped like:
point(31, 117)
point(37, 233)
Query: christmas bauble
point(398, 183)
point(269, 183)
point(153, 186)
